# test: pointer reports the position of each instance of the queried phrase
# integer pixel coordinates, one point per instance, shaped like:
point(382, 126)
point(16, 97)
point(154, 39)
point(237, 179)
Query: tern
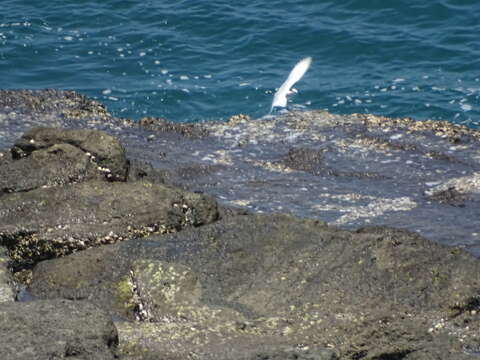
point(280, 97)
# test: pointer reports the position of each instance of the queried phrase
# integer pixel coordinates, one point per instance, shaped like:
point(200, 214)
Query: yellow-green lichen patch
point(165, 289)
point(125, 294)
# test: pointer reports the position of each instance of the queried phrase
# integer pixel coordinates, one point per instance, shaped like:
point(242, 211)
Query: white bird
point(280, 97)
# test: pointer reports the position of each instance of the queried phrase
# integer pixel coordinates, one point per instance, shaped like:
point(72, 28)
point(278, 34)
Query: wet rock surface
point(122, 217)
point(21, 110)
point(348, 170)
point(56, 329)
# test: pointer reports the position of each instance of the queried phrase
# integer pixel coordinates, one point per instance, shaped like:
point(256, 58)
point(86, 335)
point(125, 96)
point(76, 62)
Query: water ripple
point(209, 60)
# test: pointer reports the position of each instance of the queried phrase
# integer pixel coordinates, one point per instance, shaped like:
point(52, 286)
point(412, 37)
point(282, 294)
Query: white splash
point(280, 97)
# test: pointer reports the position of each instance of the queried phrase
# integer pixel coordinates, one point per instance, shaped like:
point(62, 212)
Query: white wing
point(280, 97)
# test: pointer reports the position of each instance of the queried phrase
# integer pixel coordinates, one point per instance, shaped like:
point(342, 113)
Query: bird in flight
point(280, 97)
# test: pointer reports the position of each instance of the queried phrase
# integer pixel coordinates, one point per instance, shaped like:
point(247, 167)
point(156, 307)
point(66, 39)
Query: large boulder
point(51, 222)
point(56, 200)
point(56, 329)
point(47, 157)
point(266, 282)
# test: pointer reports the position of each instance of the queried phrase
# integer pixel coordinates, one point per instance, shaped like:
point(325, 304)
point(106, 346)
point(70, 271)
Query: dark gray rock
point(165, 126)
point(103, 149)
point(7, 292)
point(45, 157)
point(450, 196)
point(249, 282)
point(21, 110)
point(58, 165)
point(55, 329)
point(51, 222)
point(252, 287)
point(277, 353)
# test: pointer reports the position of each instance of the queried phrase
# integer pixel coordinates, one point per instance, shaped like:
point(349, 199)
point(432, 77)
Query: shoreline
point(159, 226)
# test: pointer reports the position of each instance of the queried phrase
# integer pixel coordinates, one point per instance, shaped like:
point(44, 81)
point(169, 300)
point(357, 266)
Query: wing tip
point(307, 59)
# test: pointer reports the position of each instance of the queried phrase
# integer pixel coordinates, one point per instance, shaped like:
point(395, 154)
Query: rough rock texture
point(245, 286)
point(55, 329)
point(51, 222)
point(21, 110)
point(348, 170)
point(249, 282)
point(55, 200)
point(103, 149)
point(7, 292)
point(46, 157)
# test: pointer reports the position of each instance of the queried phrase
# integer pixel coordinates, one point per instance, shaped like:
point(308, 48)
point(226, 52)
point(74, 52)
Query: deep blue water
point(203, 60)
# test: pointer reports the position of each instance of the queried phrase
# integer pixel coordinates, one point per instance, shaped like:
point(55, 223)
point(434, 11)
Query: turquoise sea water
point(207, 60)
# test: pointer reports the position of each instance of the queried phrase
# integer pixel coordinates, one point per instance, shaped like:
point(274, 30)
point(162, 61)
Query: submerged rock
point(348, 170)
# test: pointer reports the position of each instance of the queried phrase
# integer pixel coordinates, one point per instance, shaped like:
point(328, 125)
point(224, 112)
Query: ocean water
point(207, 60)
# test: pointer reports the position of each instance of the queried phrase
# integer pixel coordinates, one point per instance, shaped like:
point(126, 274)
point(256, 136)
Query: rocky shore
point(304, 236)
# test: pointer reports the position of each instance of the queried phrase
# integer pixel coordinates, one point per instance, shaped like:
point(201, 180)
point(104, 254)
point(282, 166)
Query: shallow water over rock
point(351, 171)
